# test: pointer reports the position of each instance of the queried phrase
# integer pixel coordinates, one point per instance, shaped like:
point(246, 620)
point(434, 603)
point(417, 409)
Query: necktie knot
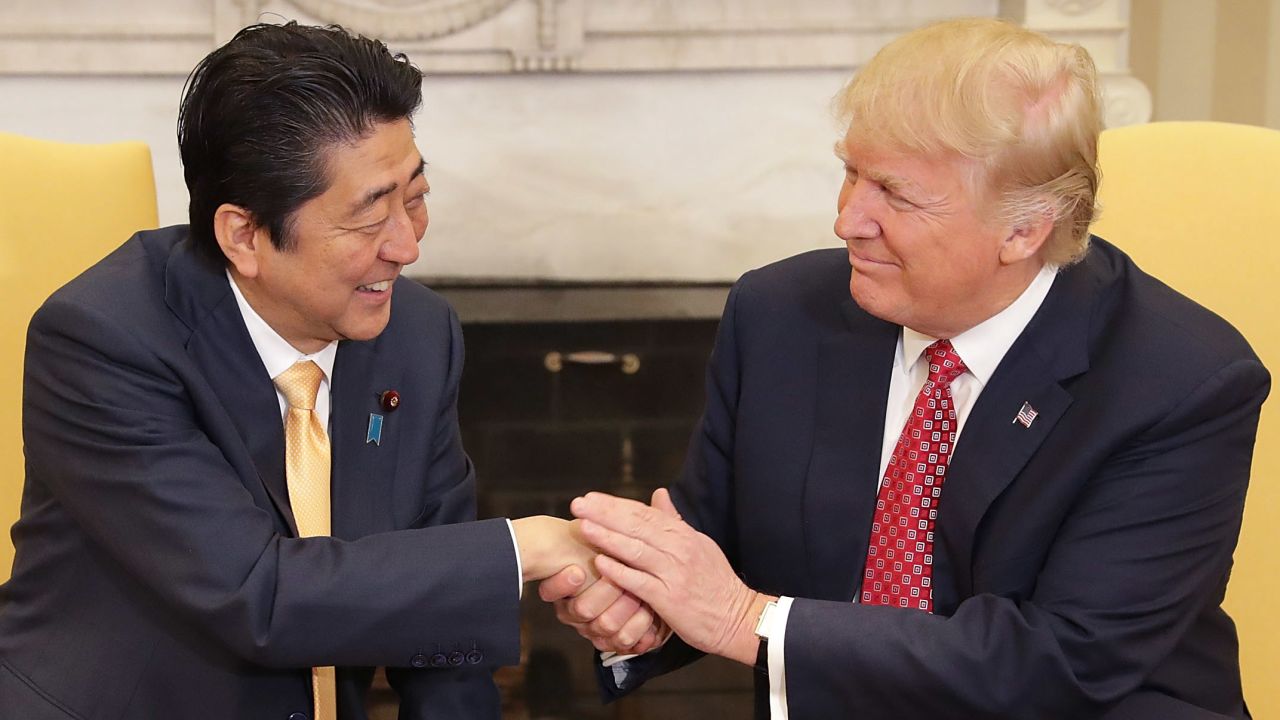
point(945, 364)
point(299, 384)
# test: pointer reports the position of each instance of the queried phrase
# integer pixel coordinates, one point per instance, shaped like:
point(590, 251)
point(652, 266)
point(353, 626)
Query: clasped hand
point(654, 572)
point(555, 552)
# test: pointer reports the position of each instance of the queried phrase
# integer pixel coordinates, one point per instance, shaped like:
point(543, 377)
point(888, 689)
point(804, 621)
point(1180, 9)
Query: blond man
point(974, 464)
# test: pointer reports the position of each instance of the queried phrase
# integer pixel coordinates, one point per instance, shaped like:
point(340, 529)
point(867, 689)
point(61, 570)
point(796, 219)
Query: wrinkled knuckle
point(606, 625)
point(638, 521)
point(580, 609)
point(609, 591)
point(644, 616)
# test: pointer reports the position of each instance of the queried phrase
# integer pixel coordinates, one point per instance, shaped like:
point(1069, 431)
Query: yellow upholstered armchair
point(62, 208)
point(1197, 204)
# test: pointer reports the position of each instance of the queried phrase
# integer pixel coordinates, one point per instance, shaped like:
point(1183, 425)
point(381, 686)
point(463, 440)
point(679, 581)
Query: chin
point(874, 303)
point(367, 330)
point(861, 291)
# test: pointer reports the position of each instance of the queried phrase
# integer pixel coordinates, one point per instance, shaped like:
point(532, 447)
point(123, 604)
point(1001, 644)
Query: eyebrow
point(377, 194)
point(894, 183)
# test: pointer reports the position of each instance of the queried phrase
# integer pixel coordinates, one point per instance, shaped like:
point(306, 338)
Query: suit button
point(418, 661)
point(439, 660)
point(455, 658)
point(297, 716)
point(474, 657)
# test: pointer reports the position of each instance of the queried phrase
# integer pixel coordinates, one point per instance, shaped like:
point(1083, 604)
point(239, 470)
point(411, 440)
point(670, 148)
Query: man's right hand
point(549, 545)
point(611, 618)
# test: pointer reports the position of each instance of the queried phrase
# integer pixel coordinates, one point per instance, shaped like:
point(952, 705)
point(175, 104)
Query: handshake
point(626, 575)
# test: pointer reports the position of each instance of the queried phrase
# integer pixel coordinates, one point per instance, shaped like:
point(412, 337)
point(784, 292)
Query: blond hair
point(1023, 108)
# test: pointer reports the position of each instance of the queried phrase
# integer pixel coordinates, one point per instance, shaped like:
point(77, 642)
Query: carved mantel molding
point(404, 19)
point(167, 37)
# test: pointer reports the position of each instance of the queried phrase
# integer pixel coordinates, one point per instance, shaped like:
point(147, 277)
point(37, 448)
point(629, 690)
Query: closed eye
point(372, 228)
point(900, 202)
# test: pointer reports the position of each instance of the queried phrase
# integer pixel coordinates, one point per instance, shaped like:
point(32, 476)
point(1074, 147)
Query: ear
point(1024, 241)
point(240, 237)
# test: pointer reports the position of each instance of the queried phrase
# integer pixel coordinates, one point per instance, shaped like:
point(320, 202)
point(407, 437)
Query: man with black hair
point(243, 458)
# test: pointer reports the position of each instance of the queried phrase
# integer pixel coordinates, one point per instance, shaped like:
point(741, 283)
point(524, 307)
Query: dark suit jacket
point(158, 570)
point(1079, 562)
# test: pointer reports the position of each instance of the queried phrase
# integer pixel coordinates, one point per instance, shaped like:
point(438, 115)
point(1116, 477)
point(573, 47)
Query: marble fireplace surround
point(671, 141)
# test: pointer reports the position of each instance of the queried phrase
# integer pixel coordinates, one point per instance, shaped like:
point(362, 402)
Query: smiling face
point(347, 245)
point(922, 252)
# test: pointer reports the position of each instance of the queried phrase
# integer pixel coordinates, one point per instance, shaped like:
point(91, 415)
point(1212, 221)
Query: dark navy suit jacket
point(1079, 562)
point(158, 571)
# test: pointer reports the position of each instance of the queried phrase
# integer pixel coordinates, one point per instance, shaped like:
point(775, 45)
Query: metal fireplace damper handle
point(555, 361)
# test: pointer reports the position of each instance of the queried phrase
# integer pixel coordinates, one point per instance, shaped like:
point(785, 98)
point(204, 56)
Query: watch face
point(764, 625)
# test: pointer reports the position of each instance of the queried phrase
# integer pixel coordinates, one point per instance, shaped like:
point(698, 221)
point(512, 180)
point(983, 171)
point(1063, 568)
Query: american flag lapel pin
point(1026, 415)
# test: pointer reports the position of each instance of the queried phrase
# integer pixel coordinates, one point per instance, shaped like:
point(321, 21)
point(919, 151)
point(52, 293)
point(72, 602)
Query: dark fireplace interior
point(570, 388)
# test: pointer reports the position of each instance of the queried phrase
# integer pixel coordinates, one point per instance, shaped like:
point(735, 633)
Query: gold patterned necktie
point(306, 451)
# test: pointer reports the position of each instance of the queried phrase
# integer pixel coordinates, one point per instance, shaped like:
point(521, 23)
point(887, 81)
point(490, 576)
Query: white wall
point(585, 176)
point(1273, 66)
point(1210, 59)
point(682, 140)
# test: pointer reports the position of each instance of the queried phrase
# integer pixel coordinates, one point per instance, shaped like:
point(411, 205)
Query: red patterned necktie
point(899, 567)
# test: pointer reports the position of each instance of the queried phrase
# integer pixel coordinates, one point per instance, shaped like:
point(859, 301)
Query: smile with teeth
point(380, 286)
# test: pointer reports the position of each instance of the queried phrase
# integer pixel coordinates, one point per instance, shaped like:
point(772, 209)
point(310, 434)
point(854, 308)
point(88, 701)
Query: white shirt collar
point(983, 346)
point(276, 352)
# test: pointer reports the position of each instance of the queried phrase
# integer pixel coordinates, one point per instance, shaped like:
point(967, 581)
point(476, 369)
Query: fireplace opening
point(577, 387)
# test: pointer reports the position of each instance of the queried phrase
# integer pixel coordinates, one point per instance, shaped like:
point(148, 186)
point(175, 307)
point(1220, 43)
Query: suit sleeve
point(110, 428)
point(1145, 549)
point(469, 691)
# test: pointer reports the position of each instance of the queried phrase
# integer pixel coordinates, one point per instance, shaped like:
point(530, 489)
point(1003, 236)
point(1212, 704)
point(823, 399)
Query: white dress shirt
point(278, 355)
point(982, 347)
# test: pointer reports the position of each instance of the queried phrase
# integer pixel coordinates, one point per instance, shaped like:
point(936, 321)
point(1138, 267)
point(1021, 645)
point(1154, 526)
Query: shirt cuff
point(609, 658)
point(519, 568)
point(619, 664)
point(777, 634)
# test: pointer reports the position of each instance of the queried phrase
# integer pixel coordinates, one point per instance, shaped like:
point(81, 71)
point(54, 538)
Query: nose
point(855, 217)
point(401, 245)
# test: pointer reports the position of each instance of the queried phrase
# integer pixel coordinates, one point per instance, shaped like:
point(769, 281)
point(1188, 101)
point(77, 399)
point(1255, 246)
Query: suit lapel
point(362, 470)
point(854, 366)
point(220, 345)
point(993, 448)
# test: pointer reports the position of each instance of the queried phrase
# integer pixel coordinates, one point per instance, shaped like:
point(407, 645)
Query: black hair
point(260, 114)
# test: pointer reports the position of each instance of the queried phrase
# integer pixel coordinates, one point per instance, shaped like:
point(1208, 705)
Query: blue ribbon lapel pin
point(375, 430)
